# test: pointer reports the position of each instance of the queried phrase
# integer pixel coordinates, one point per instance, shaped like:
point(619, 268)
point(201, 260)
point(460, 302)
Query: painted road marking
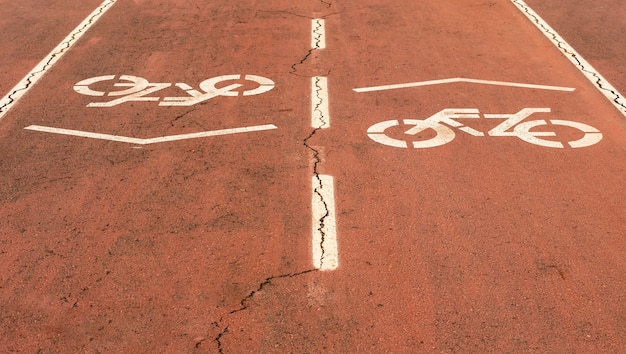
point(443, 122)
point(162, 139)
point(319, 103)
point(137, 88)
point(608, 90)
point(324, 228)
point(591, 135)
point(324, 244)
point(460, 79)
point(57, 53)
point(318, 34)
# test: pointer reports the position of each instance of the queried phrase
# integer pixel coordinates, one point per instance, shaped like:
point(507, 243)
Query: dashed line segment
point(324, 239)
point(318, 36)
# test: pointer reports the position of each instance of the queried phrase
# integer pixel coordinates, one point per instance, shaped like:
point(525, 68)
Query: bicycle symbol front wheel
point(591, 135)
point(134, 83)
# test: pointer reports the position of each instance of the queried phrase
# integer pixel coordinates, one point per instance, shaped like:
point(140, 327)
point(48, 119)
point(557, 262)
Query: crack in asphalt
point(244, 302)
point(563, 47)
point(182, 115)
point(294, 69)
point(245, 306)
point(317, 190)
point(317, 35)
point(31, 79)
point(317, 160)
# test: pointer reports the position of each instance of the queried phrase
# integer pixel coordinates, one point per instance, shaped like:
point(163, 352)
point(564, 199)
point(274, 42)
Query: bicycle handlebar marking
point(444, 121)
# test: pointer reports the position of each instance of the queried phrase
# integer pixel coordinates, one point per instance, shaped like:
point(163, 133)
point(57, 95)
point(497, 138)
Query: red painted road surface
point(478, 239)
point(595, 30)
point(30, 30)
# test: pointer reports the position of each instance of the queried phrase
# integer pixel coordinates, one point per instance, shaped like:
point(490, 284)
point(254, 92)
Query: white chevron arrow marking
point(460, 79)
point(163, 139)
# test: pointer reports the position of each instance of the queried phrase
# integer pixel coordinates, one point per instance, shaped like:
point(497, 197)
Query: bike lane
point(132, 244)
point(30, 30)
point(485, 244)
point(503, 245)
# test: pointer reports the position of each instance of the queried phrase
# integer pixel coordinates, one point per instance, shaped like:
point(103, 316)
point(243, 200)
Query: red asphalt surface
point(484, 244)
point(595, 30)
point(31, 30)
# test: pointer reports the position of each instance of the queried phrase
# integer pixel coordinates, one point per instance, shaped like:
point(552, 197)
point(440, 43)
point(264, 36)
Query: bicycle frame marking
point(512, 126)
point(139, 89)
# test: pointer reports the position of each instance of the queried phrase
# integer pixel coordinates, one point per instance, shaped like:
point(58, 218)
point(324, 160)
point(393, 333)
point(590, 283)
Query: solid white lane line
point(460, 79)
point(608, 90)
point(138, 141)
point(318, 34)
point(324, 244)
point(320, 118)
point(57, 53)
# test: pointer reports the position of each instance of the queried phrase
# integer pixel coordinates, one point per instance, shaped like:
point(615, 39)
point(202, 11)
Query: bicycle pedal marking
point(134, 88)
point(513, 125)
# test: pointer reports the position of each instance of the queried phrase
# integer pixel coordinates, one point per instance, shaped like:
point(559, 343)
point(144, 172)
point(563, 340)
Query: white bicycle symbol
point(137, 88)
point(443, 122)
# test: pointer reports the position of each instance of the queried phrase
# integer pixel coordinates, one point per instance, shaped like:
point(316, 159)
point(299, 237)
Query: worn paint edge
point(57, 53)
point(601, 83)
point(319, 103)
point(324, 241)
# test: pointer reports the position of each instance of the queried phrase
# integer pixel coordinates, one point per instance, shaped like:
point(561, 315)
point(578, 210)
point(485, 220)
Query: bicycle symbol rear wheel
point(443, 134)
